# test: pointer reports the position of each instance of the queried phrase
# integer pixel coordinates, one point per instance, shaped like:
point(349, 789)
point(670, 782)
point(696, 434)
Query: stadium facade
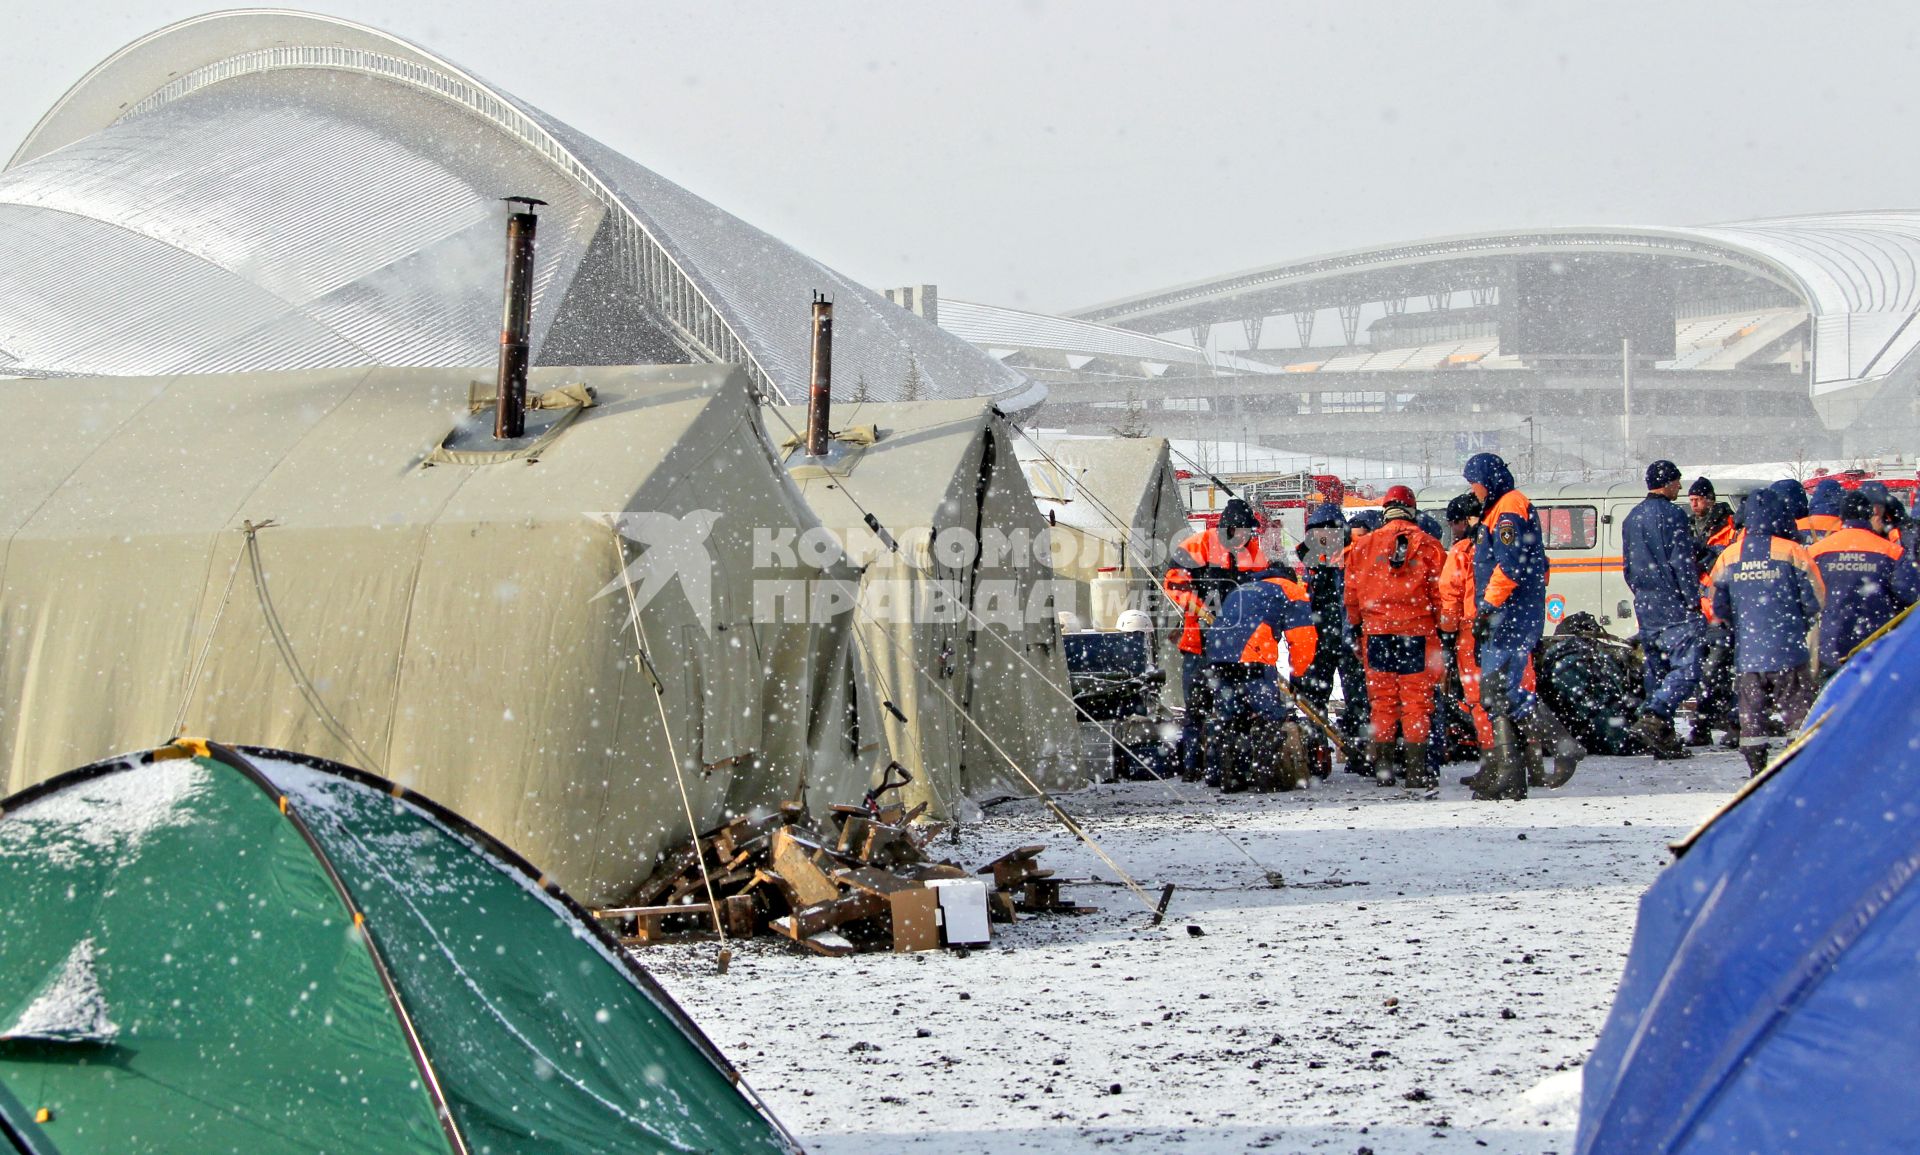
point(1753, 341)
point(275, 190)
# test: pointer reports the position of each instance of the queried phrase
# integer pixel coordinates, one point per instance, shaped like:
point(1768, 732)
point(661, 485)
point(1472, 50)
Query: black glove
point(1450, 661)
point(1482, 626)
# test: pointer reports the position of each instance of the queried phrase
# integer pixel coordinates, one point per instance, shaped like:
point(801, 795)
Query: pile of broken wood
point(864, 886)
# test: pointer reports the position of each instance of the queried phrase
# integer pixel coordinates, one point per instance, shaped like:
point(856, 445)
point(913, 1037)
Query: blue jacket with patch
point(1767, 586)
point(1659, 556)
point(1869, 580)
point(1509, 558)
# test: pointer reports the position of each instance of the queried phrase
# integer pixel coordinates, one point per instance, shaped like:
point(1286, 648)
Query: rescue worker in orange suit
point(1510, 596)
point(1264, 632)
point(1203, 570)
point(1393, 593)
point(1455, 611)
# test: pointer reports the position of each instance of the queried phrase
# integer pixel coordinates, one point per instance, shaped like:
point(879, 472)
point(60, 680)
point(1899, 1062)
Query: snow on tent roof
point(296, 955)
point(451, 618)
point(1767, 1003)
point(940, 466)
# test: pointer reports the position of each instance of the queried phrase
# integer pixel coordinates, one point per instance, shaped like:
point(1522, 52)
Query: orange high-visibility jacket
point(1456, 588)
point(1393, 579)
point(1197, 563)
point(1719, 539)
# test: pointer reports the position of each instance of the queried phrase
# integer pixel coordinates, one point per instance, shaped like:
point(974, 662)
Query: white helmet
point(1132, 621)
point(1069, 621)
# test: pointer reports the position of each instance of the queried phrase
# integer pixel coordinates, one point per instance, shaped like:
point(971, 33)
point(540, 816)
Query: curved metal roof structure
point(1018, 331)
point(1857, 273)
point(270, 189)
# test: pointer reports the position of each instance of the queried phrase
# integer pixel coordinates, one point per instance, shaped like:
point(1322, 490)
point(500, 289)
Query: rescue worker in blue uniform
point(1510, 596)
point(1263, 632)
point(1768, 588)
point(1889, 516)
point(1325, 562)
point(1823, 511)
point(1868, 578)
point(1661, 560)
point(1797, 506)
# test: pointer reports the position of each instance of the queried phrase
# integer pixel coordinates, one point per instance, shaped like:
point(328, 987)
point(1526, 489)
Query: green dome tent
point(214, 950)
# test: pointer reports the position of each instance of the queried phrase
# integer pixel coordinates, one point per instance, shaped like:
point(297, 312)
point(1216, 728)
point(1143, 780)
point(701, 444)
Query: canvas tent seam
point(198, 668)
point(426, 531)
point(430, 1078)
point(666, 729)
point(283, 643)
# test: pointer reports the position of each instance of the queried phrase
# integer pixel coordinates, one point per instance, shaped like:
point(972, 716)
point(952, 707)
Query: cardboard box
point(963, 910)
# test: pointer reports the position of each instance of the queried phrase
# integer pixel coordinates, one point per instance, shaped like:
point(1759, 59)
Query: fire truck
point(1279, 500)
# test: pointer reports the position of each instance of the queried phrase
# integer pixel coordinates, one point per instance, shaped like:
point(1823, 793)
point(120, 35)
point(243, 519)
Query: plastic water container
point(1109, 598)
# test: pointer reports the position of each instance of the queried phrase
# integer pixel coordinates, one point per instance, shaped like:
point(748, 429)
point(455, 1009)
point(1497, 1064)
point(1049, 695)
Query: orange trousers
point(1469, 662)
point(1402, 704)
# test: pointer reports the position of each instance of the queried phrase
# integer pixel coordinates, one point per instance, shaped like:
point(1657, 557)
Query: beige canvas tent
point(1113, 502)
point(461, 627)
point(939, 476)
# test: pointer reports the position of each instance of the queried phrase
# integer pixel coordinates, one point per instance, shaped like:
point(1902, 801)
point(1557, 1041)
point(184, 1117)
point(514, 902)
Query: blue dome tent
point(1769, 1000)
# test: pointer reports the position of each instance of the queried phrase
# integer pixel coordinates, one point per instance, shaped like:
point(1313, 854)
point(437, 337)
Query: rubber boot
point(1756, 756)
point(1359, 760)
point(1381, 754)
point(1701, 735)
point(1563, 750)
point(1513, 784)
point(1296, 760)
point(1657, 733)
point(1503, 774)
point(1532, 747)
point(1420, 776)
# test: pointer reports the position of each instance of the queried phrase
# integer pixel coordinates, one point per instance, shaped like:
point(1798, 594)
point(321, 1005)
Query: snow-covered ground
point(1429, 979)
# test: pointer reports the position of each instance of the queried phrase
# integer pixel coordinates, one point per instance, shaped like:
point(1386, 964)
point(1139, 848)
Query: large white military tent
point(460, 627)
point(940, 477)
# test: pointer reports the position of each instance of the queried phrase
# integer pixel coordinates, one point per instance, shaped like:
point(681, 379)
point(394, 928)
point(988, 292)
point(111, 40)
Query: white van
point(1581, 522)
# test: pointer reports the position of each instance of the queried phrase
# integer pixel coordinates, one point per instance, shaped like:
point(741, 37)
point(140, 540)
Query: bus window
point(1569, 526)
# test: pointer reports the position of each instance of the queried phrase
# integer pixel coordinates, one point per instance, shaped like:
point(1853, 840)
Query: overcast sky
point(1049, 155)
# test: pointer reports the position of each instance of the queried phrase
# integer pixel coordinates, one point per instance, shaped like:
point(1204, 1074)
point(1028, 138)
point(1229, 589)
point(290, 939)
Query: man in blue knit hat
point(1662, 566)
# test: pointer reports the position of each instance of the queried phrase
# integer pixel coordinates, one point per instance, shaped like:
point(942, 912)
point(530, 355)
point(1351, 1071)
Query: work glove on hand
point(1482, 626)
point(1205, 615)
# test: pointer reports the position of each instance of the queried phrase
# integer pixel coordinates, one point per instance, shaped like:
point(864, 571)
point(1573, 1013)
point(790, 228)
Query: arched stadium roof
point(1002, 330)
point(270, 189)
point(1858, 274)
